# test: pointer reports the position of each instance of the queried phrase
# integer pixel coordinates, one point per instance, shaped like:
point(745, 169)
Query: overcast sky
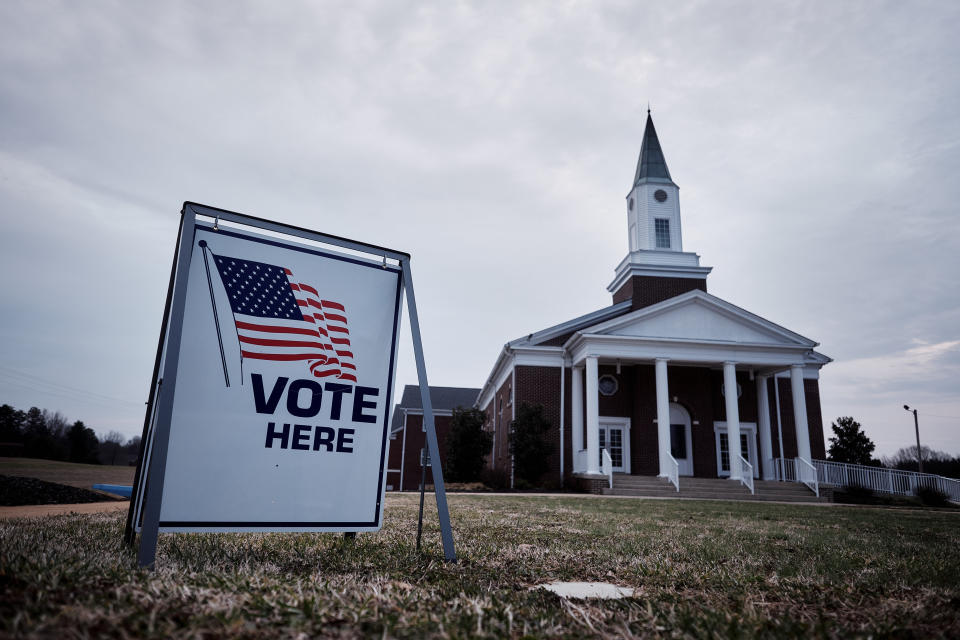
point(816, 145)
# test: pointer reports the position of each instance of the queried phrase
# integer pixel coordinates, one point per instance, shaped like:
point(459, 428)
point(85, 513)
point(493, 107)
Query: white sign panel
point(283, 388)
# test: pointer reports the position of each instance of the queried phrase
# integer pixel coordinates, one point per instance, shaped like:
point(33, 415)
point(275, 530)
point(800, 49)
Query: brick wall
point(541, 386)
point(811, 390)
point(693, 389)
point(499, 414)
point(416, 439)
point(648, 290)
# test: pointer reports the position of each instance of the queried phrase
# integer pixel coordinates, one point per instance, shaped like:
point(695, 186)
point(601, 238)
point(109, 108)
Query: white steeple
point(654, 233)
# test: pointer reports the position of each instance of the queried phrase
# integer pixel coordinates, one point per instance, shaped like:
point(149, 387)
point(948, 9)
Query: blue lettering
point(343, 440)
point(315, 397)
point(268, 405)
point(301, 434)
point(337, 390)
point(323, 437)
point(359, 404)
point(272, 435)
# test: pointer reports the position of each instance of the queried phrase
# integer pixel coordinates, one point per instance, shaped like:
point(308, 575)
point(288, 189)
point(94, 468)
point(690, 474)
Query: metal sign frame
point(151, 465)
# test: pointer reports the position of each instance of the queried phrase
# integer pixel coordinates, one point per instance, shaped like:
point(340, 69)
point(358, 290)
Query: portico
point(694, 330)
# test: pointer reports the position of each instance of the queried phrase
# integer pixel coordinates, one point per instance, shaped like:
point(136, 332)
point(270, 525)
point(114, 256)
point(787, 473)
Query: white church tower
point(656, 260)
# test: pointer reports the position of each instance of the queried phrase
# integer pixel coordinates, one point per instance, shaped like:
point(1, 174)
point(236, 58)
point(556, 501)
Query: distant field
point(68, 473)
point(701, 569)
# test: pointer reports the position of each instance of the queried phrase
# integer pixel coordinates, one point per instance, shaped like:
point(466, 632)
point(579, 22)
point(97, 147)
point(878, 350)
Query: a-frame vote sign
point(270, 402)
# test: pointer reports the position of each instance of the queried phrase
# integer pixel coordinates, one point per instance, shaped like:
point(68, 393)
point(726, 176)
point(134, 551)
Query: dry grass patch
point(699, 569)
point(68, 473)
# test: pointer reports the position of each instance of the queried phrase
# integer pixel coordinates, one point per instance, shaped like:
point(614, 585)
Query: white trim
point(657, 271)
point(658, 263)
point(746, 428)
point(620, 422)
point(713, 303)
point(810, 372)
point(563, 376)
point(538, 356)
point(680, 351)
point(498, 375)
point(414, 411)
point(403, 448)
point(585, 320)
point(513, 416)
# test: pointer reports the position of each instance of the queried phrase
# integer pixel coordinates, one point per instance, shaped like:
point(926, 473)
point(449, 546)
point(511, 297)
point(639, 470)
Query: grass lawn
point(68, 473)
point(700, 569)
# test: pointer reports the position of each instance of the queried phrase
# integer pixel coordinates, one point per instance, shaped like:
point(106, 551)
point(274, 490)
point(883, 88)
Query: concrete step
point(711, 489)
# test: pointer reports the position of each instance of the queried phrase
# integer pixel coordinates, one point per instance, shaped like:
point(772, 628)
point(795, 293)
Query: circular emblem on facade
point(660, 195)
point(723, 390)
point(607, 385)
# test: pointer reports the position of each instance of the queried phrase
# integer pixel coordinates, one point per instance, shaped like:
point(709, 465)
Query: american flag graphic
point(281, 319)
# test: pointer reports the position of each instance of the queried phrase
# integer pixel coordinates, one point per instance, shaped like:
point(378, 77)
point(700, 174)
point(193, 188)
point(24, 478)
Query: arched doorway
point(681, 443)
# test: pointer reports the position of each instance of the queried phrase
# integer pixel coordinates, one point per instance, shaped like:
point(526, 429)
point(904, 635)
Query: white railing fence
point(673, 472)
point(606, 465)
point(883, 480)
point(785, 469)
point(807, 474)
point(746, 474)
point(877, 479)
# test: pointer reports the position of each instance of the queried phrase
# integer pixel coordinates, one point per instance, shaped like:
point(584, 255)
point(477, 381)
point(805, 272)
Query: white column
point(733, 418)
point(763, 425)
point(593, 417)
point(576, 408)
point(800, 412)
point(663, 416)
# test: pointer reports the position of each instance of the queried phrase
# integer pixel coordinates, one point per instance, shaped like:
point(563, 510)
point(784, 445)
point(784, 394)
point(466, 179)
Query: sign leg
point(446, 533)
point(129, 533)
point(146, 554)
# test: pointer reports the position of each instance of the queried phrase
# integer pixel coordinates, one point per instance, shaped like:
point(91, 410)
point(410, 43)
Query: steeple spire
point(651, 166)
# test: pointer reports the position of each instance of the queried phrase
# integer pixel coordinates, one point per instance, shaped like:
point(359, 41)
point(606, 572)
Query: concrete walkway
point(41, 510)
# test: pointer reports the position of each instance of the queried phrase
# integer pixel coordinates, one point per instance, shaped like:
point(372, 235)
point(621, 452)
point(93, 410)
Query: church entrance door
point(615, 438)
point(748, 447)
point(680, 441)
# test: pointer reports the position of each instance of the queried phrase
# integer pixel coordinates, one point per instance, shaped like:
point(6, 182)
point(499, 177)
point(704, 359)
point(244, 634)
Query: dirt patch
point(41, 510)
point(15, 491)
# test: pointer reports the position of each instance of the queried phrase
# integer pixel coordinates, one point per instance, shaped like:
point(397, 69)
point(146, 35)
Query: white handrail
point(808, 475)
point(606, 465)
point(673, 472)
point(746, 474)
point(884, 480)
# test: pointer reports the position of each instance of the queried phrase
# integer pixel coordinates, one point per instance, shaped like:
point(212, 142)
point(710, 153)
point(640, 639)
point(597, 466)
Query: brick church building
point(668, 375)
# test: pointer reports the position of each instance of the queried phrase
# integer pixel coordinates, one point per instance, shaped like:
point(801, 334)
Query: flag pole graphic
point(213, 303)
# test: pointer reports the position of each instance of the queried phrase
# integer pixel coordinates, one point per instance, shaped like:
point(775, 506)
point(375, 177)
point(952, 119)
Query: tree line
point(38, 433)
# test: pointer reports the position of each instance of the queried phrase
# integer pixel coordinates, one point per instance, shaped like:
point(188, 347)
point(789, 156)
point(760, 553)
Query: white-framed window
point(748, 448)
point(661, 229)
point(607, 385)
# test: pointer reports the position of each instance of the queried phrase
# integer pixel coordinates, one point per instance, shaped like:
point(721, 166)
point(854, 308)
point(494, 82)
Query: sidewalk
point(40, 510)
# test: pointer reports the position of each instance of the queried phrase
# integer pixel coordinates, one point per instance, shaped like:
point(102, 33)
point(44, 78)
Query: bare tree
point(110, 446)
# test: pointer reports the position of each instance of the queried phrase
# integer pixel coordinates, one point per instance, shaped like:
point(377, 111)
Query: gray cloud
point(814, 143)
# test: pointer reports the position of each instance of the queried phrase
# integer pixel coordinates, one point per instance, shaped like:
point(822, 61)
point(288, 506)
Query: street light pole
point(916, 426)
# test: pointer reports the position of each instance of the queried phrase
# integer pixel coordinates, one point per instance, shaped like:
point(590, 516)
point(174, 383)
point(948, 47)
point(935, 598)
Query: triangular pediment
point(698, 316)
